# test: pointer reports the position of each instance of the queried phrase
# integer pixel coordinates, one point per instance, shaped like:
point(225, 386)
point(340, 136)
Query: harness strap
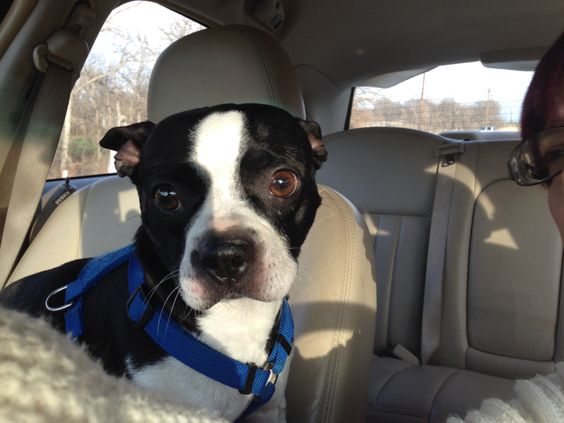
point(186, 348)
point(173, 339)
point(90, 274)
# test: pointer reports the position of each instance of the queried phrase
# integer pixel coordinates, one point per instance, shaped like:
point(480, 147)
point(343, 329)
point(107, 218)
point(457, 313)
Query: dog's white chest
point(178, 381)
point(237, 328)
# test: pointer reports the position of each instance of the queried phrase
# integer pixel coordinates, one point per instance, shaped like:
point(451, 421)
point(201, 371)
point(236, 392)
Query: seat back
point(501, 293)
point(334, 300)
point(229, 64)
point(389, 174)
point(503, 272)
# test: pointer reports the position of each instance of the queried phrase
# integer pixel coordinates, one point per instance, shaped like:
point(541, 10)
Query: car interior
point(429, 282)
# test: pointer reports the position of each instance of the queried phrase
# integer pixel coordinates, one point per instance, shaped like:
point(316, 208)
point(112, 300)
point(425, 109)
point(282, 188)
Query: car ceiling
point(351, 41)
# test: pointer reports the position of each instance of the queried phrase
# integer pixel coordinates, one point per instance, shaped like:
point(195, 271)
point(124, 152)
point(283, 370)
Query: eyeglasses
point(539, 159)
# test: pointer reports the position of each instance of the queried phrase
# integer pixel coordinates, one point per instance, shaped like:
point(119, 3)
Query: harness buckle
point(287, 346)
point(147, 312)
point(248, 388)
point(272, 378)
point(51, 295)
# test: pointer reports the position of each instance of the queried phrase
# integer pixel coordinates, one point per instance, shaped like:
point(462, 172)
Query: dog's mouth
point(227, 266)
point(203, 291)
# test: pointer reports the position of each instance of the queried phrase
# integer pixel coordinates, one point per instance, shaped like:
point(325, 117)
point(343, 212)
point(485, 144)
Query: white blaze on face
point(219, 143)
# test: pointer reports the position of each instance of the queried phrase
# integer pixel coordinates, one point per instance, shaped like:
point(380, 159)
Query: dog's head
point(227, 196)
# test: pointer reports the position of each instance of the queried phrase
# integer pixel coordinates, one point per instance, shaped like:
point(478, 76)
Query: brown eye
point(166, 198)
point(283, 183)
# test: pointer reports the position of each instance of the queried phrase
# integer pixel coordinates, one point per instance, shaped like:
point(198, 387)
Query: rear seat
point(389, 174)
point(501, 288)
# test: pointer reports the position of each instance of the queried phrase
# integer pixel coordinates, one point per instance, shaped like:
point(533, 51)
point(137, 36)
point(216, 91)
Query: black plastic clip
point(147, 311)
point(248, 388)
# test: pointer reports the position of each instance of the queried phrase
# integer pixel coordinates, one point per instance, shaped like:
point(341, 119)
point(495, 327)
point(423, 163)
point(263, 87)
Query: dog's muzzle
point(225, 259)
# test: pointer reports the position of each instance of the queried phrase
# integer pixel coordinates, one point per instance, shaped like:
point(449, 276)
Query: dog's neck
point(239, 328)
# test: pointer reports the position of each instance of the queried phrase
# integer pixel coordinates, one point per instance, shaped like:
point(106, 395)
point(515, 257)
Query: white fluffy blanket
point(538, 400)
point(45, 377)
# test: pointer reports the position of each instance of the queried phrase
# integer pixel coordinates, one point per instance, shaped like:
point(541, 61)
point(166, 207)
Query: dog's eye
point(166, 198)
point(283, 183)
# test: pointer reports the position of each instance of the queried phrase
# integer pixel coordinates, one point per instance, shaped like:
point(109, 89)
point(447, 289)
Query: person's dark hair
point(546, 92)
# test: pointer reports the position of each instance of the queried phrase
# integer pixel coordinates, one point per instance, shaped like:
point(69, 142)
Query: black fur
point(275, 139)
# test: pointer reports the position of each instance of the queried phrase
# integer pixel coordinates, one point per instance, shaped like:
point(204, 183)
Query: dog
point(227, 196)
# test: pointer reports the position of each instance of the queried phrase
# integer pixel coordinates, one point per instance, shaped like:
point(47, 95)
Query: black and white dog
point(227, 195)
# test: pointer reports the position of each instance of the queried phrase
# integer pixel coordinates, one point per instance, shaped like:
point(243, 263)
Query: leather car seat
point(334, 300)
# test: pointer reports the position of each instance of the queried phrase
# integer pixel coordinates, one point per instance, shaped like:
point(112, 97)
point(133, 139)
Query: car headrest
point(229, 64)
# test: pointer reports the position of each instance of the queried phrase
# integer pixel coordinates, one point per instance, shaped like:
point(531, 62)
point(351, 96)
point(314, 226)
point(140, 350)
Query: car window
point(457, 97)
point(112, 89)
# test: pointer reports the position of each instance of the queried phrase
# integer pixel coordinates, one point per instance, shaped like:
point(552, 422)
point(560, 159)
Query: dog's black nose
point(224, 260)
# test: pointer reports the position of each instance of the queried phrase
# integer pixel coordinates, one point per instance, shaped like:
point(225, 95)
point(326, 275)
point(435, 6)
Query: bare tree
point(111, 91)
point(372, 109)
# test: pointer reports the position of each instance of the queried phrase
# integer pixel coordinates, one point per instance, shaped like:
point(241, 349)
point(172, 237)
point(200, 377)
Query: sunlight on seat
point(502, 237)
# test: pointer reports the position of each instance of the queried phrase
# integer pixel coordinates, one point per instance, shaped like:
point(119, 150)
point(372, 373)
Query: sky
point(138, 17)
point(466, 83)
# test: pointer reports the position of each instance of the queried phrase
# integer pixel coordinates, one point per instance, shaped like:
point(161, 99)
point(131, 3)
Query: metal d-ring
point(55, 292)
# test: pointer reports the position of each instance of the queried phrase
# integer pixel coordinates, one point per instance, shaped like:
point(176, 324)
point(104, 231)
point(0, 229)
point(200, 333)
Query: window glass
point(458, 97)
point(112, 89)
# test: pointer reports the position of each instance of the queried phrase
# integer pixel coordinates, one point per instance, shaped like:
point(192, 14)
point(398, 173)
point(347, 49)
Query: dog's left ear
point(313, 131)
point(128, 142)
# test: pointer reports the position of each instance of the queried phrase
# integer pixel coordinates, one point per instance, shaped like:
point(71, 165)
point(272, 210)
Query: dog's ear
point(313, 131)
point(128, 142)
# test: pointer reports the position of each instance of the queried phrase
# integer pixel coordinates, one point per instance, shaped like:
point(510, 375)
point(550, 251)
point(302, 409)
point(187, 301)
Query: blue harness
point(177, 342)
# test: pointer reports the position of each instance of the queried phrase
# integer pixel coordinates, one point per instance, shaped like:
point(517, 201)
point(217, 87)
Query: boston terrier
point(227, 196)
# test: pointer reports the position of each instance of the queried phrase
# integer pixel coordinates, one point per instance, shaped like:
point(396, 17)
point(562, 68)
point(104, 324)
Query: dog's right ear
point(128, 142)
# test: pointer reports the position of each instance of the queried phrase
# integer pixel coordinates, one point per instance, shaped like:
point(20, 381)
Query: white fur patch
point(179, 382)
point(220, 143)
point(239, 328)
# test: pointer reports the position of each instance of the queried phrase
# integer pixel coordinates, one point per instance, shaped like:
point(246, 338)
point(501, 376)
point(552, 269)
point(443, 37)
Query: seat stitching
point(401, 411)
point(388, 380)
point(267, 72)
point(81, 223)
point(443, 383)
point(330, 386)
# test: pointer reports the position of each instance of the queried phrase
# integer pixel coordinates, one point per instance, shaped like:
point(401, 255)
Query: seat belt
point(27, 175)
point(432, 299)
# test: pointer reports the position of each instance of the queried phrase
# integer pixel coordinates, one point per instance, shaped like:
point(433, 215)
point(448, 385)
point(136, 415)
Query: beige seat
point(334, 299)
point(389, 174)
point(501, 295)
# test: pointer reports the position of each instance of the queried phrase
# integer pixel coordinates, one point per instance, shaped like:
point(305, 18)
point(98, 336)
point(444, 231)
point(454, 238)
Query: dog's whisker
point(163, 280)
point(164, 306)
point(172, 308)
point(189, 311)
point(304, 278)
point(168, 277)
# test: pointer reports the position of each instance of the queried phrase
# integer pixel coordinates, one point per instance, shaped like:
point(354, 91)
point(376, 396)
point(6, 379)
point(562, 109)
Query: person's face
point(556, 187)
